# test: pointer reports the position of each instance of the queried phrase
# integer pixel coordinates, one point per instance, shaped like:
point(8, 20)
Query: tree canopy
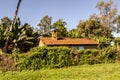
point(60, 25)
point(45, 26)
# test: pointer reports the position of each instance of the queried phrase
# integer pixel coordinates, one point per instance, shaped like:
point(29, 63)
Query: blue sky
point(32, 11)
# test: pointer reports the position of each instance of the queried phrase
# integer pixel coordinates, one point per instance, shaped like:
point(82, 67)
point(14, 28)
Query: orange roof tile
point(68, 41)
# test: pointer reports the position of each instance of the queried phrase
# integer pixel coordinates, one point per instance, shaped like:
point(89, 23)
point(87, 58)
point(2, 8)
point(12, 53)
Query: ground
point(7, 62)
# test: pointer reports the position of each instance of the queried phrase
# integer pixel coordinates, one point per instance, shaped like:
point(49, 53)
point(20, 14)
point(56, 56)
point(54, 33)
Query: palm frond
point(28, 42)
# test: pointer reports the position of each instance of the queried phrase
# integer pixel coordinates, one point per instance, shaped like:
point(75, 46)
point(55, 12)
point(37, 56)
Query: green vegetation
point(22, 37)
point(58, 57)
point(108, 55)
point(46, 57)
point(84, 72)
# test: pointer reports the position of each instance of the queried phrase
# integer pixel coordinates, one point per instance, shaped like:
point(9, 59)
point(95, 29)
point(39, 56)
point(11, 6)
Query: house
point(76, 43)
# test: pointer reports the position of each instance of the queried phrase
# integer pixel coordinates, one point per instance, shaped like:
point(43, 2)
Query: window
point(77, 47)
point(81, 48)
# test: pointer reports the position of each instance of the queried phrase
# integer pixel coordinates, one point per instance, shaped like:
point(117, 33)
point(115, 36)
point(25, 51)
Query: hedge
point(57, 57)
point(94, 56)
point(47, 57)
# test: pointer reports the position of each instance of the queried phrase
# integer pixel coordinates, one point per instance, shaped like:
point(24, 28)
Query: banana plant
point(24, 36)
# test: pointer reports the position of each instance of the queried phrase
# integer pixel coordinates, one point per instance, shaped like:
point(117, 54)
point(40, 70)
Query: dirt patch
point(7, 62)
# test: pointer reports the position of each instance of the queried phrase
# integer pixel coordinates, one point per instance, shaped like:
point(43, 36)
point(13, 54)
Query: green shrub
point(46, 57)
point(57, 57)
point(107, 55)
point(87, 57)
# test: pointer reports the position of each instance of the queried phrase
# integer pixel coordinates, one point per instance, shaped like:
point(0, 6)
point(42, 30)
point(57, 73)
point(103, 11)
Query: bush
point(107, 55)
point(88, 57)
point(46, 57)
point(57, 57)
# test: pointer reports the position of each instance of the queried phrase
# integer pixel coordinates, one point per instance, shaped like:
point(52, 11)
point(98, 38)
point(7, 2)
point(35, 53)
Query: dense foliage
point(22, 36)
point(60, 25)
point(97, 56)
point(57, 57)
point(47, 57)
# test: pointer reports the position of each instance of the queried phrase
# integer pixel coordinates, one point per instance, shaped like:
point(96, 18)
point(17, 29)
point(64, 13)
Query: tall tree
point(45, 25)
point(91, 28)
point(12, 24)
point(60, 25)
point(107, 11)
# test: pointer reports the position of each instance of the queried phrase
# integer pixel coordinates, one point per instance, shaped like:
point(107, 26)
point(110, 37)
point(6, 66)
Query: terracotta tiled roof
point(68, 41)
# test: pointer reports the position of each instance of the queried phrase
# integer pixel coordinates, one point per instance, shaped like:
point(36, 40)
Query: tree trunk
point(5, 49)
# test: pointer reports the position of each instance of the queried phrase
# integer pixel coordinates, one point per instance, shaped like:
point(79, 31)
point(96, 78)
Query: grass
point(84, 72)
